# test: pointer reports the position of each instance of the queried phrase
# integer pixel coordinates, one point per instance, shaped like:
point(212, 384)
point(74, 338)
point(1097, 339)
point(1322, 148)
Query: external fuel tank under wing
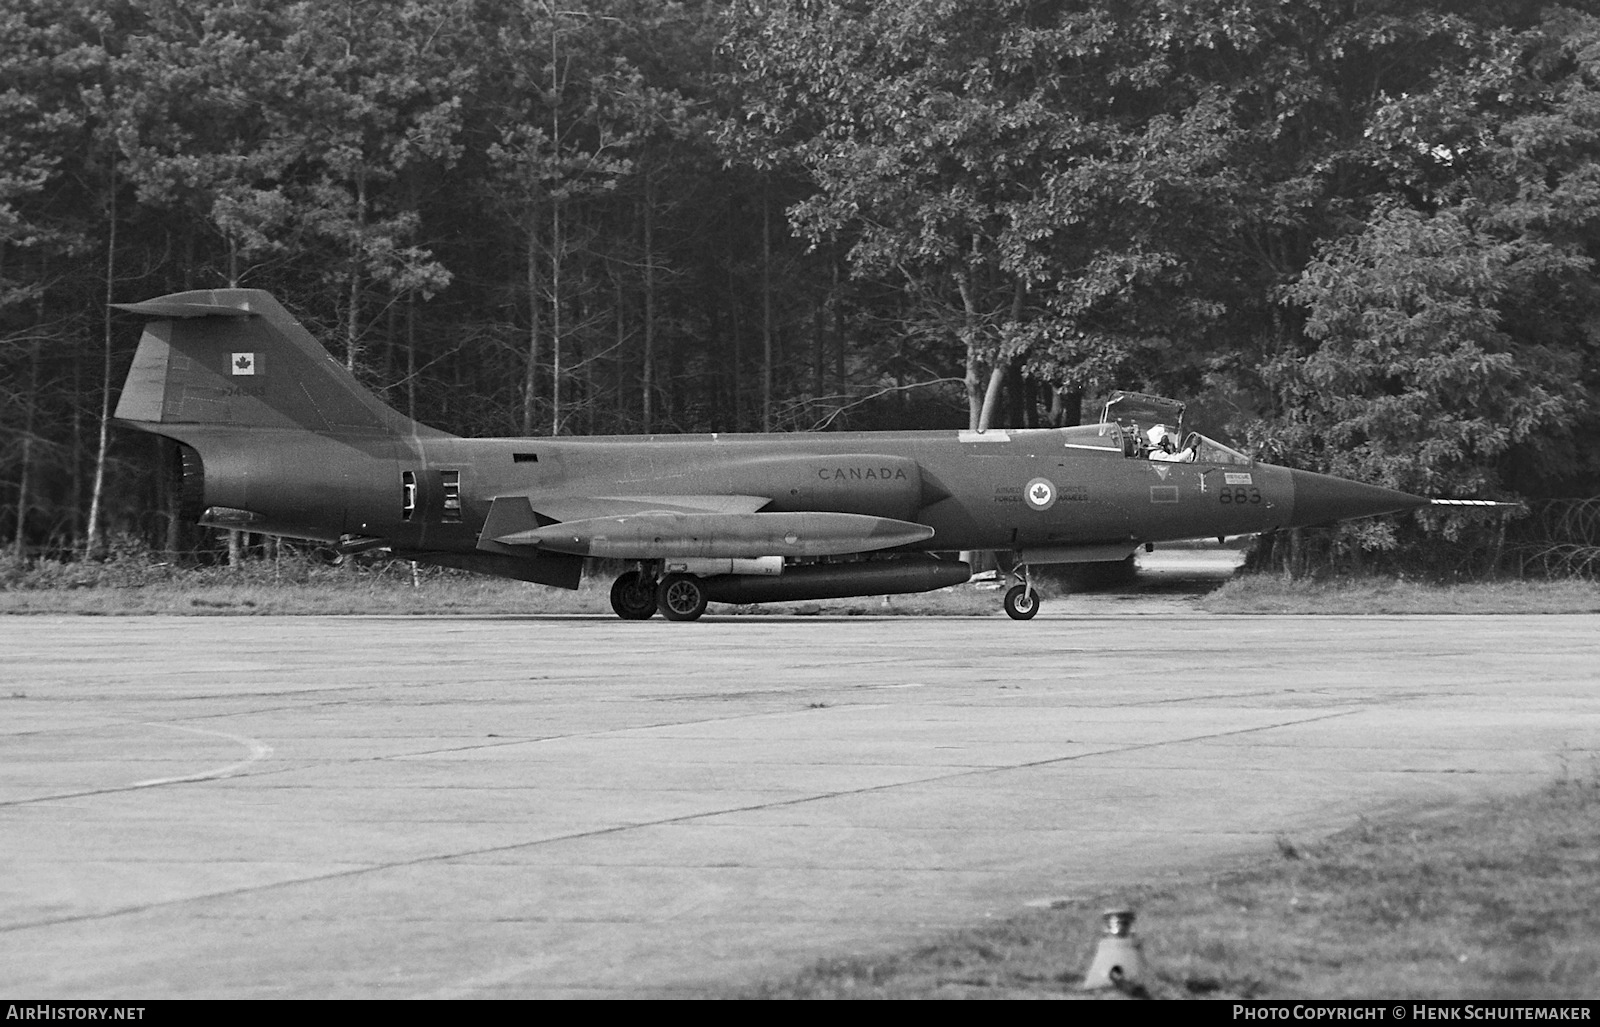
point(279, 438)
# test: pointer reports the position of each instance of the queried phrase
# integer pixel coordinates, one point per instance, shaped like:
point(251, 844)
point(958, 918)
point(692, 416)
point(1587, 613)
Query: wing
point(580, 508)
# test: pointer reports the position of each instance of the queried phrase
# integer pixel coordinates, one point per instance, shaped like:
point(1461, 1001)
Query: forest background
point(1357, 236)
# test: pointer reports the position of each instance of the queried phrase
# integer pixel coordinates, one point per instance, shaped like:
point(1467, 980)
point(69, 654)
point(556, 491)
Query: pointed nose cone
point(1322, 498)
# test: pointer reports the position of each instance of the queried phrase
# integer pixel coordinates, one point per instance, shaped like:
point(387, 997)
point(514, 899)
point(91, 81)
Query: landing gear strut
point(633, 596)
point(1022, 602)
point(681, 597)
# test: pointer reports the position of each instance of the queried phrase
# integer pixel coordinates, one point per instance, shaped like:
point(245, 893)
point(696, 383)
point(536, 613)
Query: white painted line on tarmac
point(258, 751)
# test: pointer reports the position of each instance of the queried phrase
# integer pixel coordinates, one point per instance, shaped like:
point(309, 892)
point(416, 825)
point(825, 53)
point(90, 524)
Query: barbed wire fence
point(1560, 538)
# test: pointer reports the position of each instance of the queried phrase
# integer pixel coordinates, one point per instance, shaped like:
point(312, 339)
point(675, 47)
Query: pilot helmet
point(1163, 437)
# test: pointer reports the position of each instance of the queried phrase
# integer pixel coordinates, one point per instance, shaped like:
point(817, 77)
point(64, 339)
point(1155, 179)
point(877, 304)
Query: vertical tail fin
point(236, 358)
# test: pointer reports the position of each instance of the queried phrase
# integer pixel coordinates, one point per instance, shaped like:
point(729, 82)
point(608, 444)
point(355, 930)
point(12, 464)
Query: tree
point(1415, 382)
point(1452, 337)
point(560, 139)
point(593, 218)
point(48, 54)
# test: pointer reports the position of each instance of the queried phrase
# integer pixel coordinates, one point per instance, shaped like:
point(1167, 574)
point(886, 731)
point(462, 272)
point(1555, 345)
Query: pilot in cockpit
point(1164, 445)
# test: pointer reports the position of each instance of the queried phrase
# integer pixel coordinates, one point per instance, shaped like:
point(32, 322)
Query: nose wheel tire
point(633, 596)
point(681, 597)
point(1022, 603)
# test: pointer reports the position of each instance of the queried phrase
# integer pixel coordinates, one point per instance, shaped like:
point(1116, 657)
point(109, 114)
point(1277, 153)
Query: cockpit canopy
point(1137, 411)
point(1151, 427)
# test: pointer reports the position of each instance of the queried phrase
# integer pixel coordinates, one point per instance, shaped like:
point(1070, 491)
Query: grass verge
point(1495, 900)
point(211, 594)
point(1264, 593)
point(136, 582)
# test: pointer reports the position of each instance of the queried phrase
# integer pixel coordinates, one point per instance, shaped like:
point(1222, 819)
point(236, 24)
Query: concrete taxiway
point(569, 806)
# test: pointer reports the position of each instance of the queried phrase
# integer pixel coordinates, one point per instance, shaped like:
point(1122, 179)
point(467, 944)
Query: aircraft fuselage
point(974, 494)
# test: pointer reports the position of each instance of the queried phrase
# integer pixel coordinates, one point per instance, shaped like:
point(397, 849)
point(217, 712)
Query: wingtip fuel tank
point(660, 536)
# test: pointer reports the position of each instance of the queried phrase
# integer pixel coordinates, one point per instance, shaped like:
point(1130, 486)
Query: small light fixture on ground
point(1119, 958)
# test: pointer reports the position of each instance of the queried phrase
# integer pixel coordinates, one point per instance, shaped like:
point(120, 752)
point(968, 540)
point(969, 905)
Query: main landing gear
point(633, 596)
point(637, 595)
point(681, 597)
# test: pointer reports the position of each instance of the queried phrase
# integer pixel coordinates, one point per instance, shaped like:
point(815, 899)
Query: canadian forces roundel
point(1040, 493)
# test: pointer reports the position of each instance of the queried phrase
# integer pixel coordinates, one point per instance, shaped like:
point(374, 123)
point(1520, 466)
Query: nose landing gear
point(1022, 602)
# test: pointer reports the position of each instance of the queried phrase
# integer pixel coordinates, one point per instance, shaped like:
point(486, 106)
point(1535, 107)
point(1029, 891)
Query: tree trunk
point(94, 541)
point(836, 325)
point(1009, 375)
point(411, 355)
point(991, 395)
point(1066, 408)
point(555, 315)
point(75, 533)
point(819, 332)
point(969, 329)
point(766, 312)
point(24, 479)
point(1018, 397)
point(647, 381)
point(530, 376)
point(170, 460)
point(352, 337)
point(1498, 553)
point(737, 333)
point(29, 420)
point(620, 378)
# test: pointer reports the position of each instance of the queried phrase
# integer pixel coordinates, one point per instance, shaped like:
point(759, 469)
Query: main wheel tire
point(681, 597)
point(1022, 603)
point(633, 596)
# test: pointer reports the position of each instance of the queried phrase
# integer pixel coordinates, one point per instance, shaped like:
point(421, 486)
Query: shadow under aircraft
point(278, 438)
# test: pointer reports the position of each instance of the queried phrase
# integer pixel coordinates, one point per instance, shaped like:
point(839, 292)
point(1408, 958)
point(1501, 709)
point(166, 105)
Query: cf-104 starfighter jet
point(279, 438)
